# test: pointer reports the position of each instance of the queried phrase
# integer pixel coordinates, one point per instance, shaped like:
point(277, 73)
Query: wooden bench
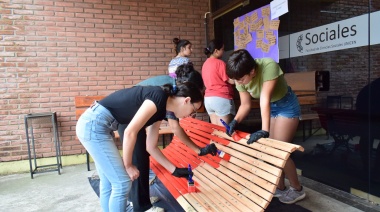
point(84, 102)
point(245, 181)
point(305, 85)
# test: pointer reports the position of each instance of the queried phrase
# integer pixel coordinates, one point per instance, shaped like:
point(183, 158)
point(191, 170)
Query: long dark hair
point(186, 89)
point(187, 73)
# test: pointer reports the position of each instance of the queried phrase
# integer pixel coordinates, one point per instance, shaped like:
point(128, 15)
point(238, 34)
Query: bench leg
point(304, 137)
point(88, 161)
point(163, 139)
point(303, 130)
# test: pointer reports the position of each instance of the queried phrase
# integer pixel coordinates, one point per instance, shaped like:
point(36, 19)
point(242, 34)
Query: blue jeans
point(95, 131)
point(140, 158)
point(288, 106)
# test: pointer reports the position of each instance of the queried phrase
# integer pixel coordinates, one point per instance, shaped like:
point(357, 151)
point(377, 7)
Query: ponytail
point(214, 44)
point(170, 89)
point(186, 89)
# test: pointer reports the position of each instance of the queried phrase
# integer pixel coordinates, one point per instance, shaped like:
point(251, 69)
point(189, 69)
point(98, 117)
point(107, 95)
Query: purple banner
point(257, 33)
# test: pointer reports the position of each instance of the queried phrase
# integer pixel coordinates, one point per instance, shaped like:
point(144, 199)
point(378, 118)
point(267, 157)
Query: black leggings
point(139, 194)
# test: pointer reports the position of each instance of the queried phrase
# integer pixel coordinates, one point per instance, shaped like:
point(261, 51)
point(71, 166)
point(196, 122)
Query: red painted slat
point(158, 170)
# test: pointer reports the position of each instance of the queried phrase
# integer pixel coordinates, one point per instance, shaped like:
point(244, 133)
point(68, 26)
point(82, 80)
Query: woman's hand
point(182, 172)
point(209, 149)
point(133, 172)
point(257, 135)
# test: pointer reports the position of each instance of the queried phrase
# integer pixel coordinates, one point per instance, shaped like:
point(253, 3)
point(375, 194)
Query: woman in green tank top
point(263, 79)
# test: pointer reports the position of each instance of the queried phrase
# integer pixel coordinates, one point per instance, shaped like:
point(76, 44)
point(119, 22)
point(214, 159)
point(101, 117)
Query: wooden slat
point(305, 93)
point(165, 130)
point(243, 179)
point(262, 155)
point(86, 101)
point(221, 181)
point(303, 100)
point(288, 147)
point(301, 81)
point(254, 197)
point(310, 116)
point(214, 197)
point(265, 179)
point(307, 100)
point(244, 182)
point(207, 179)
point(83, 102)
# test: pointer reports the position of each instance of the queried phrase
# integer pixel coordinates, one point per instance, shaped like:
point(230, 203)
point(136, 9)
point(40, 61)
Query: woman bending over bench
point(143, 109)
point(280, 110)
point(139, 195)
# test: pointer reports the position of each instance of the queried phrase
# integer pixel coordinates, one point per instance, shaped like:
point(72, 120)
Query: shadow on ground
point(171, 205)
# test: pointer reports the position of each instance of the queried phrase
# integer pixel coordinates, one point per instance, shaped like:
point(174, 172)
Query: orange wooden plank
point(79, 112)
point(159, 171)
point(86, 101)
point(202, 125)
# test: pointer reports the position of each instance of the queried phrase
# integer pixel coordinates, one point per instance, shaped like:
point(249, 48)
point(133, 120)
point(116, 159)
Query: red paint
point(224, 155)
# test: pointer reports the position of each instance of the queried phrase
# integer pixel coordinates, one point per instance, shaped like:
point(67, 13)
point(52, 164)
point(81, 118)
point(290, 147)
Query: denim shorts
point(220, 106)
point(288, 106)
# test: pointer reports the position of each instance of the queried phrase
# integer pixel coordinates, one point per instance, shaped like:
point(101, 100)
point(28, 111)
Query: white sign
point(278, 8)
point(349, 33)
point(374, 28)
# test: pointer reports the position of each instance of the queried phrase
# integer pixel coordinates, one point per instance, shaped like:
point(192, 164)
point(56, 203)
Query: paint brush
point(234, 135)
point(190, 181)
point(224, 155)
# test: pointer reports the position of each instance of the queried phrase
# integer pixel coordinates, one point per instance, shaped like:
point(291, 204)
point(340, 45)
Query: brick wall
point(52, 51)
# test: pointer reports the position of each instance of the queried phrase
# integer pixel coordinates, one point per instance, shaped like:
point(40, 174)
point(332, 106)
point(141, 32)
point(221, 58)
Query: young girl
point(279, 107)
point(183, 49)
point(142, 108)
point(219, 101)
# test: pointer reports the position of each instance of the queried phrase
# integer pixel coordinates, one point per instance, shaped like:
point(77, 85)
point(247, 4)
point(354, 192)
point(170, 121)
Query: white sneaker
point(129, 207)
point(292, 196)
point(279, 193)
point(154, 200)
point(155, 209)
